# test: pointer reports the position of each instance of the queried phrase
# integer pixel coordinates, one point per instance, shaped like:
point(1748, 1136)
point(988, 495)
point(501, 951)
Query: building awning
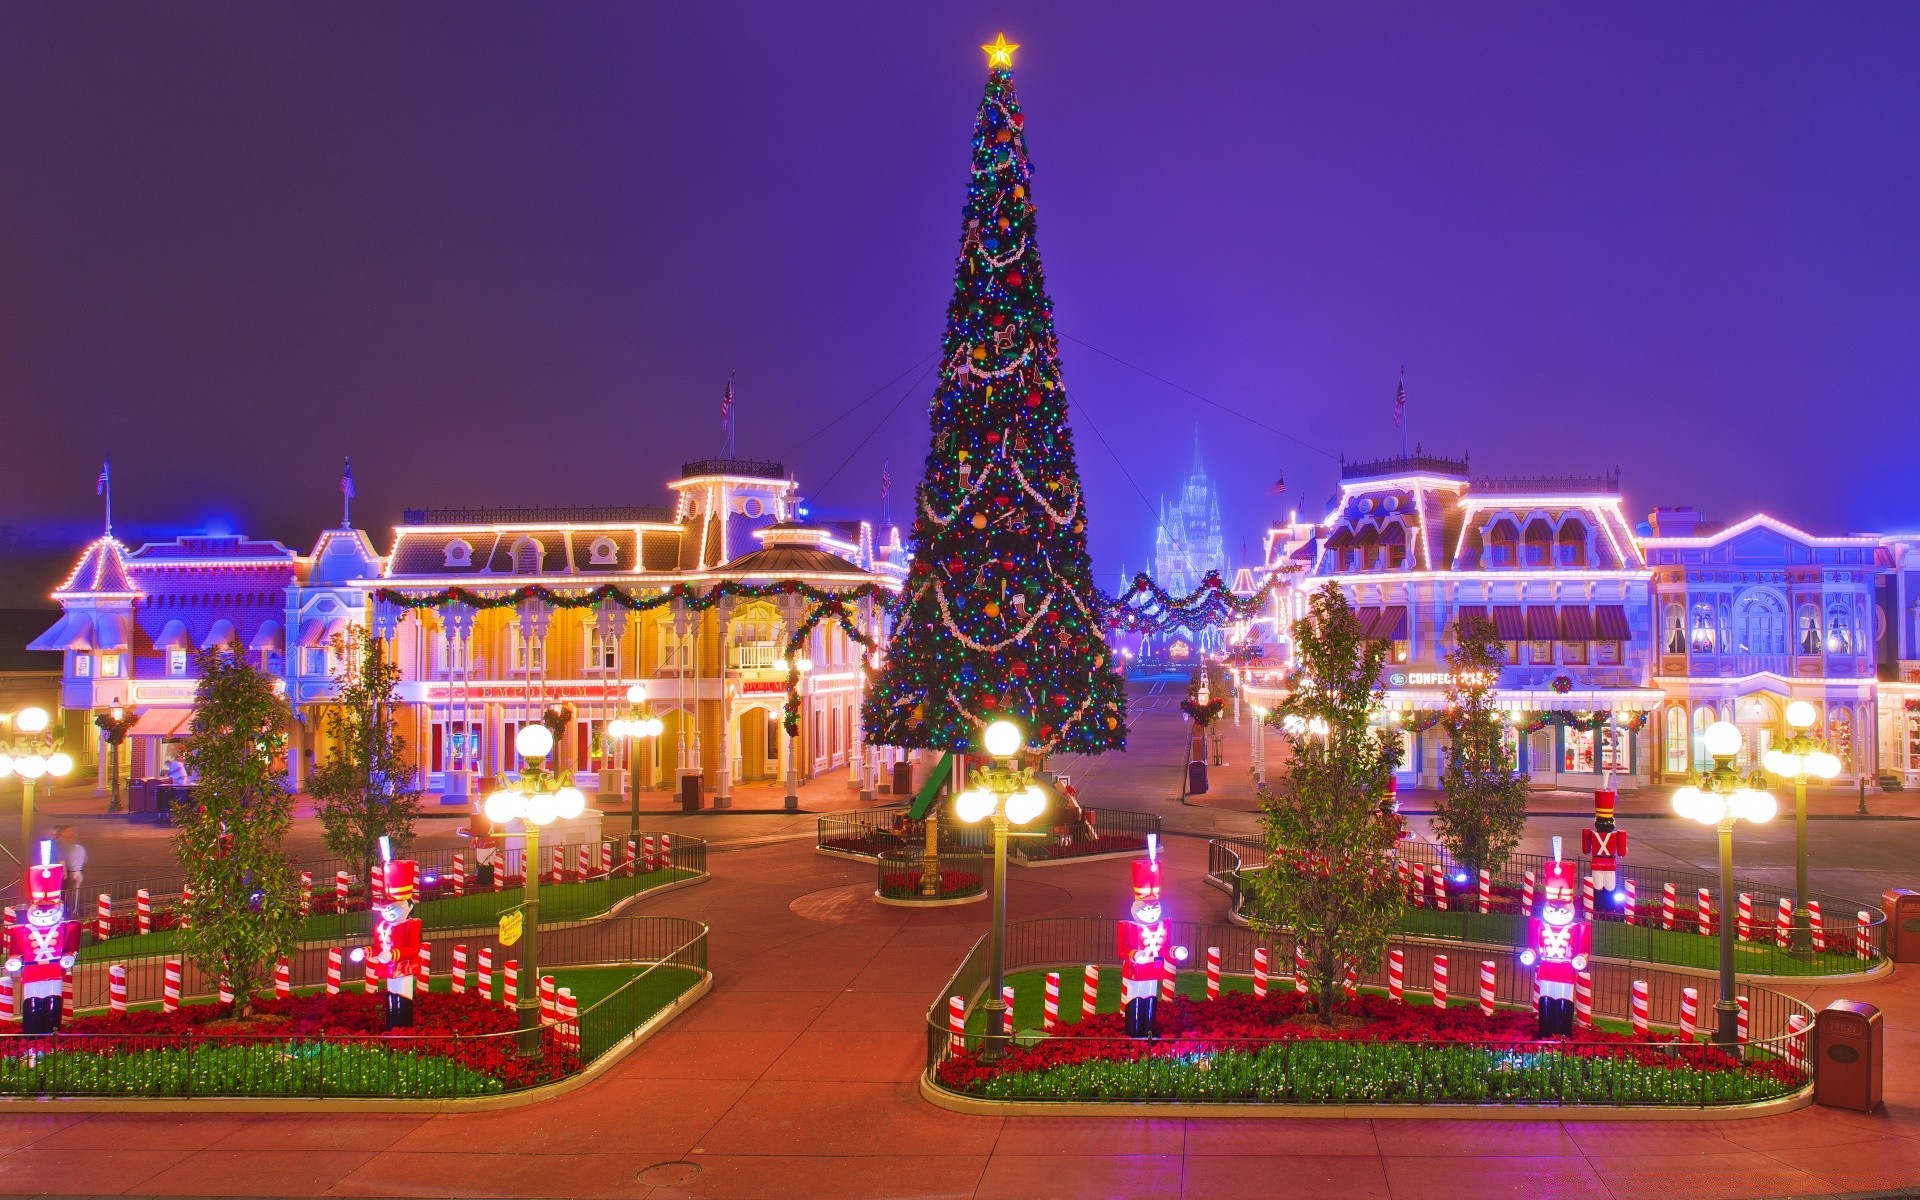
point(64, 632)
point(1541, 625)
point(1340, 539)
point(1576, 624)
point(1610, 622)
point(1391, 625)
point(337, 628)
point(267, 637)
point(1466, 614)
point(174, 637)
point(313, 632)
point(112, 631)
point(221, 634)
point(161, 722)
point(1394, 535)
point(1366, 618)
point(1368, 536)
point(1506, 622)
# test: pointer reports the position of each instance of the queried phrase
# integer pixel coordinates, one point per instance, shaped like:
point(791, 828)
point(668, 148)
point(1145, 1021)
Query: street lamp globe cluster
point(1004, 792)
point(538, 800)
point(29, 753)
point(1800, 758)
point(638, 723)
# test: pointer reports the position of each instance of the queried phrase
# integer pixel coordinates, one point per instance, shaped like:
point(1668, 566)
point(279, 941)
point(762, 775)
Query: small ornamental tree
point(242, 907)
point(1330, 872)
point(1482, 809)
point(363, 791)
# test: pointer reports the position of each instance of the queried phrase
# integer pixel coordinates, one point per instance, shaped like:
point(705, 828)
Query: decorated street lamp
point(539, 799)
point(113, 725)
point(1800, 756)
point(1720, 798)
point(1004, 792)
point(636, 723)
point(28, 751)
point(798, 670)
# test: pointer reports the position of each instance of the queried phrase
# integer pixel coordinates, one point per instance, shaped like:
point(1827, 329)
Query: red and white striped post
point(1260, 972)
point(583, 861)
point(1689, 1013)
point(1526, 892)
point(1438, 875)
point(226, 994)
point(631, 857)
point(370, 979)
point(1816, 926)
point(1050, 1017)
point(460, 968)
point(283, 979)
point(1213, 972)
point(510, 983)
point(1783, 922)
point(1169, 979)
point(1089, 991)
point(956, 1024)
point(336, 958)
point(1703, 908)
point(376, 889)
point(1796, 1047)
point(143, 910)
point(342, 888)
point(117, 987)
point(1439, 988)
point(1487, 977)
point(666, 851)
point(1396, 975)
point(1583, 1000)
point(558, 864)
point(568, 1010)
point(170, 988)
point(306, 893)
point(186, 897)
point(606, 858)
point(66, 990)
point(1351, 984)
point(483, 979)
point(7, 1013)
point(1633, 903)
point(549, 1000)
point(1642, 1007)
point(1863, 934)
point(1586, 897)
point(457, 874)
point(423, 968)
point(1406, 879)
point(1006, 1010)
point(1486, 890)
point(103, 918)
point(1299, 969)
point(1740, 1020)
point(1743, 917)
point(646, 860)
point(1669, 903)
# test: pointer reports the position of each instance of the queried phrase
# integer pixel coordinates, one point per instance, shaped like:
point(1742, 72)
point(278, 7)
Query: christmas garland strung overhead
point(1146, 607)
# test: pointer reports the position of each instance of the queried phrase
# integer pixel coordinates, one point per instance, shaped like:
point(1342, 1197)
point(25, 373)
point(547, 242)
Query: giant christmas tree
point(999, 616)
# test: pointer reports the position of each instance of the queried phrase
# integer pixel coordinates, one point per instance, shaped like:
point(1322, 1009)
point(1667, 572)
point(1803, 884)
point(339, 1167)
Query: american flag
point(1400, 406)
point(726, 405)
point(105, 481)
point(346, 479)
point(886, 480)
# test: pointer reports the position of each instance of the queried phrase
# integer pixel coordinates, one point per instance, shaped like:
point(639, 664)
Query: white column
point(723, 788)
point(680, 684)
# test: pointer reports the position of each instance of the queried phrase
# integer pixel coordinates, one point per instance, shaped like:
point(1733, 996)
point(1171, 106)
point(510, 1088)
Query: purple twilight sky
point(509, 253)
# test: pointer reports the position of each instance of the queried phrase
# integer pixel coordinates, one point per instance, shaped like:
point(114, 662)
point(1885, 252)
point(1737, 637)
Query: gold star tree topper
point(1000, 53)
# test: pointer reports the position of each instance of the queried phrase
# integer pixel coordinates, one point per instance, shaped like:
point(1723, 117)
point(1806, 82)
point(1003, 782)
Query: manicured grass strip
point(1636, 943)
point(279, 1069)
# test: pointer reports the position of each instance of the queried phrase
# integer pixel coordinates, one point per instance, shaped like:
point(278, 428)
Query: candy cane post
point(606, 858)
point(1351, 983)
point(283, 979)
point(1703, 908)
point(1669, 903)
point(1487, 978)
point(423, 968)
point(1526, 892)
point(646, 860)
point(1486, 890)
point(1439, 988)
point(117, 987)
point(66, 989)
point(170, 988)
point(1169, 980)
point(103, 918)
point(630, 858)
point(1006, 1010)
point(1863, 934)
point(376, 889)
point(666, 851)
point(569, 1013)
point(226, 994)
point(549, 999)
point(956, 1024)
point(1815, 926)
point(460, 968)
point(1783, 922)
point(1740, 1020)
point(1586, 896)
point(483, 978)
point(510, 983)
point(1213, 972)
point(1796, 1046)
point(372, 978)
point(7, 1012)
point(1299, 969)
point(1632, 903)
point(143, 910)
point(457, 875)
point(1406, 879)
point(336, 958)
point(1089, 991)
point(1396, 975)
point(186, 898)
point(583, 861)
point(1583, 999)
point(1050, 1016)
point(342, 890)
point(1260, 972)
point(1689, 1013)
point(558, 864)
point(1642, 1007)
point(1743, 917)
point(306, 893)
point(1439, 876)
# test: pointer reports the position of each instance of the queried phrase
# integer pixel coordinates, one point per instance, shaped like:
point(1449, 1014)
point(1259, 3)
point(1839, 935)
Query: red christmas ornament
point(1013, 279)
point(999, 318)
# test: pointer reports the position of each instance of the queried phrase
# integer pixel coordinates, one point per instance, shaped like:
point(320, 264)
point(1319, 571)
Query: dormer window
point(459, 554)
point(603, 553)
point(527, 553)
point(1502, 544)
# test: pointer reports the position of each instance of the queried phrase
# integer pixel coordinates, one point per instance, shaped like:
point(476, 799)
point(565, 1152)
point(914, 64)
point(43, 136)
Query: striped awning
point(1367, 617)
point(1576, 624)
point(1610, 621)
point(220, 635)
point(1541, 623)
point(313, 632)
point(1506, 622)
point(160, 722)
point(267, 637)
point(1394, 535)
point(112, 631)
point(1391, 625)
point(73, 631)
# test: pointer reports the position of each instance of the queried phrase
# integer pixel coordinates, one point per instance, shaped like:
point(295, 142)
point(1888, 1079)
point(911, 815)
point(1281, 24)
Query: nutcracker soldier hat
point(1603, 799)
point(46, 879)
point(1560, 879)
point(1146, 879)
point(399, 876)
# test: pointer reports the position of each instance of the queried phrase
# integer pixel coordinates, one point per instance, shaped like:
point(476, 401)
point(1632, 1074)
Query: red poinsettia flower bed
point(1238, 1021)
point(952, 882)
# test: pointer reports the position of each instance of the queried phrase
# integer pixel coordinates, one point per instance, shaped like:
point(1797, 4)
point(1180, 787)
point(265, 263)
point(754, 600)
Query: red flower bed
point(129, 925)
point(952, 883)
point(1239, 1021)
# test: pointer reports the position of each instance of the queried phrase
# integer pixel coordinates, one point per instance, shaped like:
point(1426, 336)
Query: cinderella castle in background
point(1187, 544)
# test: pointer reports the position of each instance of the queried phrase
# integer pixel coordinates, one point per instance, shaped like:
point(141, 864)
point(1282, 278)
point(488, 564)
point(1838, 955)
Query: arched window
point(1538, 543)
point(1503, 544)
point(1760, 623)
point(527, 553)
point(459, 554)
point(1676, 630)
point(1570, 543)
point(1677, 740)
point(1839, 628)
point(1807, 624)
point(1703, 639)
point(1702, 717)
point(603, 553)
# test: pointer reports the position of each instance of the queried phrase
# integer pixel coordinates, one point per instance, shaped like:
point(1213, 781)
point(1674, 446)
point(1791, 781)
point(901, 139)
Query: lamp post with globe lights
point(800, 666)
point(28, 751)
point(1720, 798)
point(537, 800)
point(1801, 756)
point(636, 723)
point(1004, 792)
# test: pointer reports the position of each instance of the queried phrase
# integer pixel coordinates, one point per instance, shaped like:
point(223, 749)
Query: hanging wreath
point(1562, 684)
point(1203, 714)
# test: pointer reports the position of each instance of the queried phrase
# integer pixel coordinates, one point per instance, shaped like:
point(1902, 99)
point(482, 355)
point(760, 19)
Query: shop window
point(1702, 717)
point(1703, 639)
point(602, 652)
point(1540, 652)
point(1676, 630)
point(109, 666)
point(1840, 736)
point(1676, 740)
point(1576, 752)
point(1606, 654)
point(176, 663)
point(83, 665)
point(1573, 653)
point(528, 654)
point(1913, 734)
point(1839, 628)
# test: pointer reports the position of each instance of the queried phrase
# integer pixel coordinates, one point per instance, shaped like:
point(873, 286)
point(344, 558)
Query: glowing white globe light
point(533, 741)
point(505, 806)
point(1822, 765)
point(803, 664)
point(1711, 809)
point(570, 801)
point(30, 720)
point(542, 808)
point(1758, 807)
point(1001, 739)
point(1685, 801)
point(1780, 762)
point(1025, 805)
point(6, 765)
point(973, 805)
point(655, 726)
point(1722, 739)
point(30, 766)
point(59, 764)
point(637, 694)
point(1801, 715)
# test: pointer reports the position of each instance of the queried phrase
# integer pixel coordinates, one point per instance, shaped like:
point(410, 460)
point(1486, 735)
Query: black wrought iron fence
point(889, 830)
point(957, 874)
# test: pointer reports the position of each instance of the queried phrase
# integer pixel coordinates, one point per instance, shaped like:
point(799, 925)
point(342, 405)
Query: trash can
point(1903, 924)
point(690, 792)
point(1197, 778)
point(903, 778)
point(1849, 1045)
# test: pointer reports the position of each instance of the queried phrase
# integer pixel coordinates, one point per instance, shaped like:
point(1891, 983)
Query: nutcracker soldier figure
point(396, 936)
point(1605, 846)
point(1144, 947)
point(41, 948)
point(1558, 941)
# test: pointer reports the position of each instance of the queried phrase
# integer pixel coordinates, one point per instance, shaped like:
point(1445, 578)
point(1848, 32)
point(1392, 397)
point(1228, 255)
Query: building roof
point(101, 571)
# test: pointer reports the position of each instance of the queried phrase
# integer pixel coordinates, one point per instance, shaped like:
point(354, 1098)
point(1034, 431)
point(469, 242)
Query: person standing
point(74, 855)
